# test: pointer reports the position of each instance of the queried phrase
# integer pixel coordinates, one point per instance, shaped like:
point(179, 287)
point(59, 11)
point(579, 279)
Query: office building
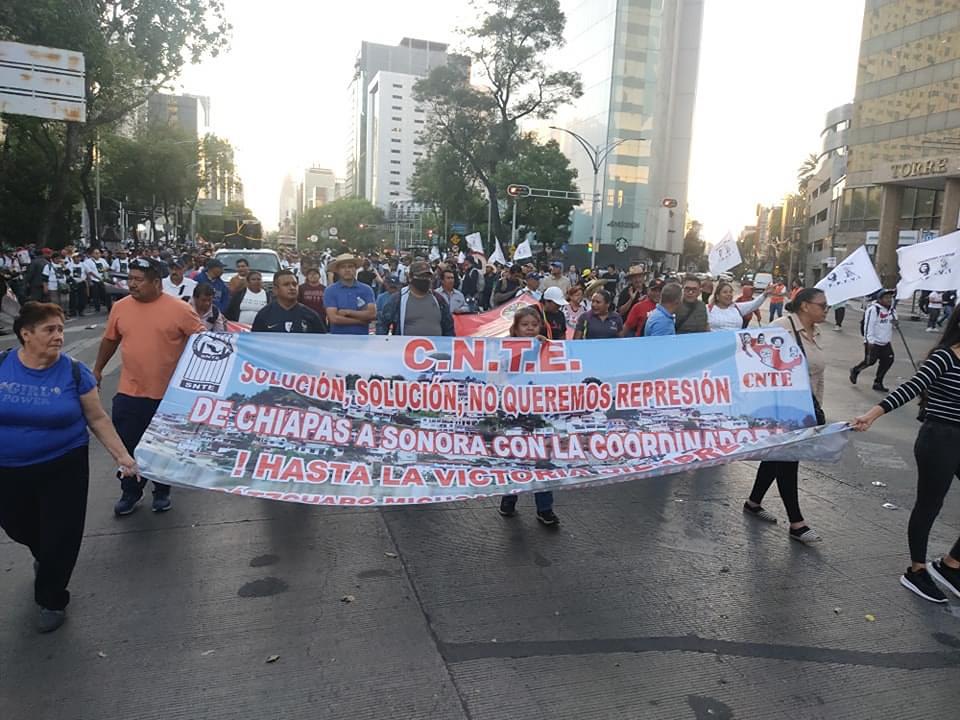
point(319, 188)
point(903, 169)
point(412, 58)
point(638, 61)
point(189, 113)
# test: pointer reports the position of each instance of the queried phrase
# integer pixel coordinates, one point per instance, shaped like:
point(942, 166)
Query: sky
point(769, 72)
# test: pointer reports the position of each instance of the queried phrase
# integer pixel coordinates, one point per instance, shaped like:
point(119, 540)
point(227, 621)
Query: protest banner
point(394, 420)
point(931, 265)
point(854, 277)
point(492, 323)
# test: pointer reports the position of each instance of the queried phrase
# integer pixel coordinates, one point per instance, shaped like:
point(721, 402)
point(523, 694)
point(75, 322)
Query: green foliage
point(480, 123)
point(131, 50)
point(360, 225)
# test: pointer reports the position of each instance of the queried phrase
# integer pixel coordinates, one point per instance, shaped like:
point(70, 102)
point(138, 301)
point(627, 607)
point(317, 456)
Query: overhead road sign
point(42, 82)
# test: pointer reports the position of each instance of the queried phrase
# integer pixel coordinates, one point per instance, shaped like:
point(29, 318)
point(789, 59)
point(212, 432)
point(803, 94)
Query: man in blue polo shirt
point(663, 319)
point(349, 303)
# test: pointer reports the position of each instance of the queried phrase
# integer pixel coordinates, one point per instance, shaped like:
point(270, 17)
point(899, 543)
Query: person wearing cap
point(553, 302)
point(532, 287)
point(637, 318)
point(350, 304)
point(391, 286)
point(212, 275)
point(417, 310)
point(151, 329)
point(176, 284)
point(633, 292)
point(556, 278)
point(878, 324)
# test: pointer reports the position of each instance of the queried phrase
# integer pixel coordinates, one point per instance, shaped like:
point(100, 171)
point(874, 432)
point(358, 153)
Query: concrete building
point(190, 113)
point(824, 192)
point(288, 200)
point(410, 57)
point(638, 62)
point(395, 122)
point(319, 187)
point(903, 170)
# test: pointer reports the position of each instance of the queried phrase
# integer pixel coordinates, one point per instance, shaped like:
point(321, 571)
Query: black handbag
point(817, 409)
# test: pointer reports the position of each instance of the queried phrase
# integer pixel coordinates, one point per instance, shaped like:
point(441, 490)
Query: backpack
point(74, 367)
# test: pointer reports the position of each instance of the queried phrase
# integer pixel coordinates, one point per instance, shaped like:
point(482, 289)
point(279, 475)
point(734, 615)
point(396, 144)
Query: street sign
point(621, 244)
point(313, 238)
point(458, 228)
point(455, 239)
point(324, 234)
point(333, 232)
point(42, 82)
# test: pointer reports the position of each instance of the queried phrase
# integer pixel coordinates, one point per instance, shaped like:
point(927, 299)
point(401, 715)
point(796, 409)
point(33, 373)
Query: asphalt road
point(656, 599)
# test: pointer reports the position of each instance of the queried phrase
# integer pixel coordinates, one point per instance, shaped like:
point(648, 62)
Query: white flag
point(498, 256)
point(931, 265)
point(475, 242)
point(434, 253)
point(523, 251)
point(854, 277)
point(724, 255)
point(461, 257)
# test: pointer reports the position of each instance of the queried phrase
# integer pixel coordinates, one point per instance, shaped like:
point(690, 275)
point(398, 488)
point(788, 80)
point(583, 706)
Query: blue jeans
point(543, 500)
point(776, 310)
point(131, 416)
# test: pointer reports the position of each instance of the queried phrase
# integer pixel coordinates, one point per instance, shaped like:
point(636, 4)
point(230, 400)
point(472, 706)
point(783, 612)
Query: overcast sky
point(769, 72)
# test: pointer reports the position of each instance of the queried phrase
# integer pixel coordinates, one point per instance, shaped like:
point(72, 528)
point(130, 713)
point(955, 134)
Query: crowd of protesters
point(157, 299)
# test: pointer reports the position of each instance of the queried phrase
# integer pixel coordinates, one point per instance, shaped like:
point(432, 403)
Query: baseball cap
point(556, 263)
point(585, 273)
point(533, 275)
point(420, 267)
point(214, 263)
point(656, 285)
point(555, 294)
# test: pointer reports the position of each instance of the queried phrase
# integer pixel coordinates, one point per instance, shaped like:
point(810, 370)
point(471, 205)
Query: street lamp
point(598, 156)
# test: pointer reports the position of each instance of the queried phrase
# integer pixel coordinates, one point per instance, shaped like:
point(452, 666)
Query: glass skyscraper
point(638, 61)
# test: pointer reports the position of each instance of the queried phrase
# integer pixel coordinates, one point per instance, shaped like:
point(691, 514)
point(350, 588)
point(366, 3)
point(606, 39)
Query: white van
point(761, 280)
point(266, 261)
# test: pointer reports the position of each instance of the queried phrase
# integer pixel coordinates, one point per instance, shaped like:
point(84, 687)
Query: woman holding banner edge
point(937, 451)
point(807, 310)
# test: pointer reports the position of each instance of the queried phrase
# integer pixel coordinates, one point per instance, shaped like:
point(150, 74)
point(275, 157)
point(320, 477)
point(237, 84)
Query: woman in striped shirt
point(937, 451)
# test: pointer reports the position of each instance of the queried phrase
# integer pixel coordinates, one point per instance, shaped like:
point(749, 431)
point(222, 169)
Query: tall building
point(903, 170)
point(638, 61)
point(190, 113)
point(288, 200)
point(411, 58)
point(319, 187)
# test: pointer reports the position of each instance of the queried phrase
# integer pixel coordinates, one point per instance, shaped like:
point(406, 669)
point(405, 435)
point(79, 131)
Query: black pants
point(877, 353)
point(839, 313)
point(937, 451)
point(785, 473)
point(98, 296)
point(78, 298)
point(44, 507)
point(131, 416)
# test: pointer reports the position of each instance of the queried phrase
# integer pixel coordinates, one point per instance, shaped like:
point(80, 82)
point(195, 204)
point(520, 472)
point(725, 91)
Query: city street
point(655, 598)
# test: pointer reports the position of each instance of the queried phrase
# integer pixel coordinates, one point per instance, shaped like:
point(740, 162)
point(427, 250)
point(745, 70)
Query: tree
point(443, 180)
point(360, 224)
point(131, 50)
point(480, 123)
point(694, 247)
point(807, 169)
point(155, 171)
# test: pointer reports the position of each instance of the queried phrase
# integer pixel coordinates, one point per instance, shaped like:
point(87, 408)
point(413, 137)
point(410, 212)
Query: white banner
point(854, 277)
point(523, 251)
point(475, 243)
point(498, 256)
point(933, 265)
point(724, 255)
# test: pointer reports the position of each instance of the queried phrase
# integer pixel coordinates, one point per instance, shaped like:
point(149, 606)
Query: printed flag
point(932, 265)
point(724, 255)
point(523, 251)
point(475, 243)
point(498, 256)
point(854, 277)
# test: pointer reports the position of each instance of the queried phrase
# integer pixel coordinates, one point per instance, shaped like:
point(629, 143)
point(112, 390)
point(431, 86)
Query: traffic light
point(589, 247)
point(668, 203)
point(518, 191)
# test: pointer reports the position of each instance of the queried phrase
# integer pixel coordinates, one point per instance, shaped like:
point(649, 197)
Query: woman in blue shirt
point(47, 402)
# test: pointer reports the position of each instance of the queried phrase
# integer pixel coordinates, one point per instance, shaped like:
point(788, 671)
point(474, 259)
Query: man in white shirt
point(247, 302)
point(55, 275)
point(878, 324)
point(120, 266)
point(93, 268)
point(532, 288)
point(176, 284)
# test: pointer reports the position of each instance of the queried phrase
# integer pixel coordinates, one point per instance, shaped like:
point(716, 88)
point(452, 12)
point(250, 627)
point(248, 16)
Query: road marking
point(880, 456)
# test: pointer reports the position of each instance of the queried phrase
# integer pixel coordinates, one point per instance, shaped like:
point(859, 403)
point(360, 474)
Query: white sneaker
point(930, 330)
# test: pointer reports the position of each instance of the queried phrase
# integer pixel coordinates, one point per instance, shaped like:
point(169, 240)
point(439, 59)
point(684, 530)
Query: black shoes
point(853, 375)
point(920, 583)
point(508, 505)
point(945, 575)
point(548, 518)
point(880, 388)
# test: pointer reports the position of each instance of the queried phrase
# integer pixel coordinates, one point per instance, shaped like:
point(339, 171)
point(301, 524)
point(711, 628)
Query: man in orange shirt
point(151, 329)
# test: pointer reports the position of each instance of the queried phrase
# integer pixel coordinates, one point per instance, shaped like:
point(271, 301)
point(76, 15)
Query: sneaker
point(853, 375)
point(508, 506)
point(127, 503)
point(50, 620)
point(804, 535)
point(548, 517)
point(837, 328)
point(930, 329)
point(880, 388)
point(161, 502)
point(920, 583)
point(945, 575)
point(759, 513)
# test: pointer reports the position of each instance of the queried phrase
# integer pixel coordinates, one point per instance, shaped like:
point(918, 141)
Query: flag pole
point(906, 347)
